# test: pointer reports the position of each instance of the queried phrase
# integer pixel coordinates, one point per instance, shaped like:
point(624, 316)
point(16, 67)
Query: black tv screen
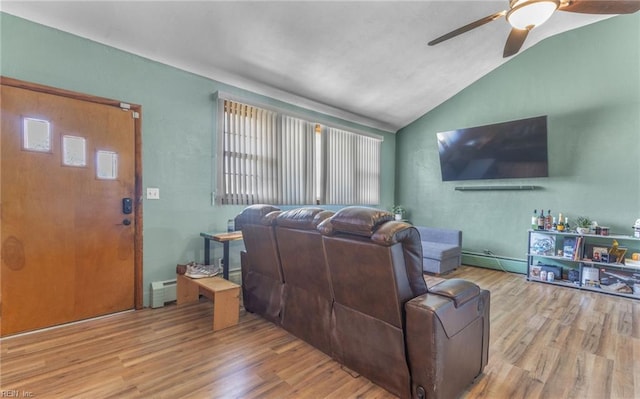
point(507, 150)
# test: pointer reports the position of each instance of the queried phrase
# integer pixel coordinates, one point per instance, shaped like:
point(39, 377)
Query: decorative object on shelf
point(555, 271)
point(583, 225)
point(618, 280)
point(616, 253)
point(543, 244)
point(632, 263)
point(636, 229)
point(573, 275)
point(398, 211)
point(535, 271)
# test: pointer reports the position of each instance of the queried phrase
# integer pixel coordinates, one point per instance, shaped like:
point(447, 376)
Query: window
point(270, 157)
point(106, 165)
point(36, 135)
point(74, 151)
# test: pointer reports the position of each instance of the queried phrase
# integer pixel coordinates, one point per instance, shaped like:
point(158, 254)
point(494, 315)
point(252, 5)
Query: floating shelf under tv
point(498, 188)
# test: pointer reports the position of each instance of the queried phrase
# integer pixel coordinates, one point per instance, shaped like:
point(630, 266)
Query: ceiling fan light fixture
point(526, 14)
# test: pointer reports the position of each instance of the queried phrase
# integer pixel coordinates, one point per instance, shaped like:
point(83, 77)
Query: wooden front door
point(68, 241)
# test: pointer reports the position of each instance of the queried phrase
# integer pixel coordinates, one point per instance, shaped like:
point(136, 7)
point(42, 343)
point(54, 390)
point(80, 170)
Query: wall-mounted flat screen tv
point(507, 150)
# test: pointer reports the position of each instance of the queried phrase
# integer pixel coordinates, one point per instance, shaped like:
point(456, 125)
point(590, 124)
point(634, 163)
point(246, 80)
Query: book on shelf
point(572, 247)
point(577, 251)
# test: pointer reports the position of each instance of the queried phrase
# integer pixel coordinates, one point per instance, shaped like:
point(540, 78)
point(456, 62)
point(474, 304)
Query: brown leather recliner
point(262, 280)
point(307, 298)
point(389, 327)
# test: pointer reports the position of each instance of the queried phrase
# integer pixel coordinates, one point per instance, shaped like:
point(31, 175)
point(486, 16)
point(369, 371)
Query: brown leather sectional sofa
point(351, 285)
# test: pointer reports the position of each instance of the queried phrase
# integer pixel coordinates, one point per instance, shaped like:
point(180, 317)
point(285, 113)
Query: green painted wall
point(588, 83)
point(177, 132)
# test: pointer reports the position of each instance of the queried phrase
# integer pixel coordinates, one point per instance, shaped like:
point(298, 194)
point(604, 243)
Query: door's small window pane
point(106, 165)
point(74, 151)
point(36, 135)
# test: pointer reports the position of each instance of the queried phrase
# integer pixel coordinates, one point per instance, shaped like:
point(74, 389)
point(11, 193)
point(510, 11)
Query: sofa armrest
point(442, 305)
point(458, 290)
point(436, 234)
point(447, 346)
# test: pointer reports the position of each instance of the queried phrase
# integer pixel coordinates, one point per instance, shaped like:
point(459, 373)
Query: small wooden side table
point(223, 238)
point(224, 294)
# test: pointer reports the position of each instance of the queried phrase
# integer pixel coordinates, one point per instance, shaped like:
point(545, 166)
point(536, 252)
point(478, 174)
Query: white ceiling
point(366, 61)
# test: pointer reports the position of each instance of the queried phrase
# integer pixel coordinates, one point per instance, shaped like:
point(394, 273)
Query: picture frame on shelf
point(590, 276)
point(542, 244)
point(598, 253)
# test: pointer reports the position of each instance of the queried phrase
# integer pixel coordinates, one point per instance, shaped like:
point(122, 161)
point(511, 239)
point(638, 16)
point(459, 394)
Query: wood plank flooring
point(546, 342)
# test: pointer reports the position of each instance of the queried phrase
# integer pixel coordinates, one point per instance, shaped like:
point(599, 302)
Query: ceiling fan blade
point(468, 27)
point(514, 42)
point(601, 6)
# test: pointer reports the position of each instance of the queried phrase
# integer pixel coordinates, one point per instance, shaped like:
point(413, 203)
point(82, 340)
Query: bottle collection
point(540, 221)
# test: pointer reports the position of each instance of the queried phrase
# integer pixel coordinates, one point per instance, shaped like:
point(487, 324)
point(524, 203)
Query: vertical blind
point(250, 145)
point(352, 168)
point(298, 162)
point(273, 158)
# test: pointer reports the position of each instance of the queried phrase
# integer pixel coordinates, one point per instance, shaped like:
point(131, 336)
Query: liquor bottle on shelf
point(560, 226)
point(534, 220)
point(554, 226)
point(566, 224)
point(541, 220)
point(548, 221)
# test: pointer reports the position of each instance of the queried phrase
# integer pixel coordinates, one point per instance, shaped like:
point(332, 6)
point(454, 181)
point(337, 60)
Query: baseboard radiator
point(162, 292)
point(489, 260)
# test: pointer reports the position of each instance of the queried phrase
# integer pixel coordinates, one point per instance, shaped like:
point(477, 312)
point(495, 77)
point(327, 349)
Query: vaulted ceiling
point(366, 61)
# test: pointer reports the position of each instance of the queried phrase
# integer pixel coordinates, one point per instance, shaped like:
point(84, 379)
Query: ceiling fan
point(524, 15)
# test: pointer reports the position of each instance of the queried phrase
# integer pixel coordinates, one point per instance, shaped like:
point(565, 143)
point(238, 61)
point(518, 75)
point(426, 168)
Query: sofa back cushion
point(262, 280)
point(307, 300)
point(301, 251)
point(375, 267)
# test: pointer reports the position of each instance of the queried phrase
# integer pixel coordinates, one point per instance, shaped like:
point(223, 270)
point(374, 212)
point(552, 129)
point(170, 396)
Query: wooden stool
point(224, 294)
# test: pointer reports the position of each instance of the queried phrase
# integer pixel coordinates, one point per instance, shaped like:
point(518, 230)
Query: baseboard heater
point(492, 261)
point(162, 292)
point(490, 255)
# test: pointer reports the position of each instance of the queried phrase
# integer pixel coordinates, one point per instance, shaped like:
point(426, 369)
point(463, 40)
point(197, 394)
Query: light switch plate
point(153, 193)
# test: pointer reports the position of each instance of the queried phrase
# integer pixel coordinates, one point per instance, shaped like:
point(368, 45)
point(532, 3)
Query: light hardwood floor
point(546, 342)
